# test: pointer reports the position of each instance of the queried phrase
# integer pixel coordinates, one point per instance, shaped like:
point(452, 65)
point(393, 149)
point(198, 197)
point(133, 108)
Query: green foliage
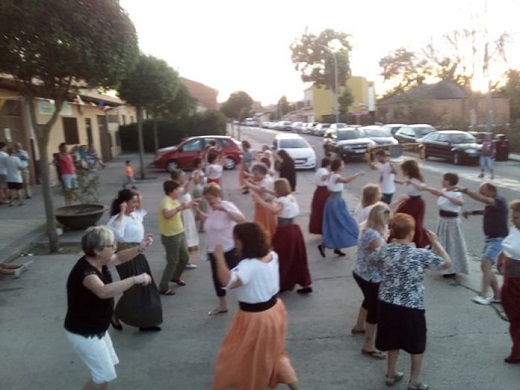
point(283, 106)
point(315, 57)
point(171, 132)
point(88, 187)
point(345, 100)
point(183, 105)
point(238, 106)
point(512, 90)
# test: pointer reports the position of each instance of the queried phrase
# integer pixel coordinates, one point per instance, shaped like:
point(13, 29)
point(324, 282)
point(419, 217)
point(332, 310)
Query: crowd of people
point(264, 258)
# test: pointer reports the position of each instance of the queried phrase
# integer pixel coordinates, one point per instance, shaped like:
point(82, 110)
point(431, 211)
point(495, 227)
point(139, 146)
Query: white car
point(299, 149)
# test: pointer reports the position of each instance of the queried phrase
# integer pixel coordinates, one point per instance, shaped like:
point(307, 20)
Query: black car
point(454, 145)
point(346, 143)
point(501, 143)
point(411, 133)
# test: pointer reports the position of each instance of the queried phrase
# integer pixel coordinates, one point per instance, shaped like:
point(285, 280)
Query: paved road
point(466, 345)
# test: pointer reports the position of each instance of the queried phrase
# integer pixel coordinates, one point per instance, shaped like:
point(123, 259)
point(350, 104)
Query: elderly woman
point(509, 265)
point(219, 222)
point(137, 307)
point(287, 167)
point(90, 300)
point(402, 321)
point(252, 355)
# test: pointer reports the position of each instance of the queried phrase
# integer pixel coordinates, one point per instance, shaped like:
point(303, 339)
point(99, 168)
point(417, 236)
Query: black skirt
point(401, 327)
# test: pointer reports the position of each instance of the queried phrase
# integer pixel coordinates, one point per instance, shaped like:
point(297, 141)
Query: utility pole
point(334, 55)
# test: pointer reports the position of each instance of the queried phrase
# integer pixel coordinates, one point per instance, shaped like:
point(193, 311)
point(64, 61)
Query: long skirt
point(340, 230)
point(321, 194)
point(452, 240)
point(511, 304)
point(252, 355)
point(265, 218)
point(190, 228)
point(415, 207)
point(289, 243)
point(139, 306)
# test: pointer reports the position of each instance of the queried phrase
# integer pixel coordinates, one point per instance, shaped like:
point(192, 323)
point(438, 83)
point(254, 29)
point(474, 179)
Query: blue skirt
point(340, 230)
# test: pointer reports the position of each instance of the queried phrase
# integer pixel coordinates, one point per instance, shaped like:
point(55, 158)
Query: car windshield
point(422, 131)
point(349, 134)
point(293, 143)
point(462, 139)
point(378, 132)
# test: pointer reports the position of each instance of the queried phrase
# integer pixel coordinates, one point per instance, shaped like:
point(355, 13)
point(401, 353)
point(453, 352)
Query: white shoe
point(481, 300)
point(191, 266)
point(18, 272)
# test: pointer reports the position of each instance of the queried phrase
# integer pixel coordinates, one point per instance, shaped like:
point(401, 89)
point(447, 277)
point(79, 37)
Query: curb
point(16, 248)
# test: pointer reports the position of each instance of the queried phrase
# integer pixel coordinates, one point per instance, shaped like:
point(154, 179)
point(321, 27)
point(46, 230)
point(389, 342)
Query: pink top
point(219, 227)
point(66, 164)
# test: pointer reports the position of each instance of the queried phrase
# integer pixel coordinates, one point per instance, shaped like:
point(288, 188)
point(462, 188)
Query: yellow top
point(171, 226)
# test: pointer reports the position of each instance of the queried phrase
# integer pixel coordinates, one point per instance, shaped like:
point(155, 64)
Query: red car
point(182, 155)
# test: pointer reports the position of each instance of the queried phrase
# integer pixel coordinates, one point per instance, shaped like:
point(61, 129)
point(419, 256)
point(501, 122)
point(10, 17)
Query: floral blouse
point(362, 267)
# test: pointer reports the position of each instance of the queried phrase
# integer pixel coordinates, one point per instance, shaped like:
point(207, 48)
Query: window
point(70, 131)
point(193, 146)
point(124, 120)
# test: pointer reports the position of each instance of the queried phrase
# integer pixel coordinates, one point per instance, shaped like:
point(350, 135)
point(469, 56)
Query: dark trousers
point(511, 304)
point(387, 198)
point(231, 261)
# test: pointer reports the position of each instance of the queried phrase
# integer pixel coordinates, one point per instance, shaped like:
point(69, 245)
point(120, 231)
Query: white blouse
point(361, 213)
point(185, 196)
point(335, 187)
point(446, 204)
point(214, 171)
point(130, 228)
point(290, 208)
point(411, 189)
point(268, 183)
point(318, 177)
point(260, 281)
point(511, 244)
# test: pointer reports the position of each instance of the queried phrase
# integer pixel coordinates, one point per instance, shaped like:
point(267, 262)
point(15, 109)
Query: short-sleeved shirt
point(332, 185)
point(318, 177)
point(290, 208)
point(3, 156)
point(260, 281)
point(170, 226)
point(386, 177)
point(446, 204)
point(362, 267)
point(268, 183)
point(214, 171)
point(361, 213)
point(23, 155)
point(248, 157)
point(219, 227)
point(495, 218)
point(87, 314)
point(66, 163)
point(411, 189)
point(129, 171)
point(402, 272)
point(130, 228)
point(13, 165)
point(511, 244)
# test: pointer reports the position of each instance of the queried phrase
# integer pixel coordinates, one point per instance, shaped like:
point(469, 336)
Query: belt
point(285, 221)
point(414, 196)
point(258, 307)
point(335, 194)
point(448, 214)
point(126, 245)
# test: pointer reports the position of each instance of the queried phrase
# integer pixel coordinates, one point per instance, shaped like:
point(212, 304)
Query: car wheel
point(172, 166)
point(230, 163)
point(456, 158)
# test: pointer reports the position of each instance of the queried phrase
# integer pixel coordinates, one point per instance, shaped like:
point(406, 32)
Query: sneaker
point(18, 272)
point(191, 266)
point(495, 300)
point(481, 300)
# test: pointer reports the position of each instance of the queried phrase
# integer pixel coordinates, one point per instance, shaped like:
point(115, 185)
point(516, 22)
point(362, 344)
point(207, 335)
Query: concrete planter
point(80, 217)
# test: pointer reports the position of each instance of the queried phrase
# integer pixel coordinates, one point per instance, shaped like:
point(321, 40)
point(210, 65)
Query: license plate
point(360, 151)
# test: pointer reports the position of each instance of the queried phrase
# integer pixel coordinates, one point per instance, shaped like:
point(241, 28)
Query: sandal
point(168, 291)
point(418, 386)
point(180, 282)
point(390, 381)
point(217, 311)
point(379, 355)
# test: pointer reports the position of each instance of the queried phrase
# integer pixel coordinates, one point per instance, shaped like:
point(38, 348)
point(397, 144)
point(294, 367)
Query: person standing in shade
point(496, 228)
point(139, 307)
point(67, 171)
point(487, 155)
point(172, 236)
point(23, 155)
point(287, 167)
point(386, 172)
point(340, 229)
point(3, 174)
point(288, 241)
point(14, 177)
point(253, 355)
point(509, 265)
point(320, 196)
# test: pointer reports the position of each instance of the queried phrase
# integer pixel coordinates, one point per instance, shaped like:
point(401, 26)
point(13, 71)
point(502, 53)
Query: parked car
point(297, 127)
point(337, 126)
point(379, 134)
point(453, 145)
point(346, 143)
point(501, 144)
point(250, 122)
point(320, 129)
point(182, 155)
point(411, 133)
point(299, 149)
point(309, 127)
point(284, 126)
point(393, 127)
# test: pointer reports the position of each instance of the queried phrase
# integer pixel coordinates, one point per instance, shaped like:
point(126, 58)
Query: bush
point(171, 132)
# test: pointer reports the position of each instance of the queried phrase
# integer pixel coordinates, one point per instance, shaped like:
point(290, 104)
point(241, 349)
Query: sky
point(234, 45)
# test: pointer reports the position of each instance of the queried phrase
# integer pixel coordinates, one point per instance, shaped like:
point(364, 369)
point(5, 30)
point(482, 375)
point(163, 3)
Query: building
point(206, 96)
point(445, 105)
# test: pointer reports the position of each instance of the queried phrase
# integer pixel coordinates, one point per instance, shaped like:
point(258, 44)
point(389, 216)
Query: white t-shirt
point(412, 190)
point(447, 205)
point(214, 171)
point(3, 156)
point(511, 244)
point(290, 208)
point(268, 183)
point(260, 281)
point(386, 178)
point(332, 185)
point(361, 213)
point(318, 177)
point(130, 229)
point(12, 166)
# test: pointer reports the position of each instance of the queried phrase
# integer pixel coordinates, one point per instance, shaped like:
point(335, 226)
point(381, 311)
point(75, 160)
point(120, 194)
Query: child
point(129, 175)
point(14, 269)
point(386, 174)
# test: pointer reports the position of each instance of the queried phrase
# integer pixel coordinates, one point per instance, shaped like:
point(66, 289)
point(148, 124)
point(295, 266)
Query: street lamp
point(335, 82)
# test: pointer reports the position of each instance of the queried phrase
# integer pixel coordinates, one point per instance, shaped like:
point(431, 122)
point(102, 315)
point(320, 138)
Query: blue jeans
point(486, 162)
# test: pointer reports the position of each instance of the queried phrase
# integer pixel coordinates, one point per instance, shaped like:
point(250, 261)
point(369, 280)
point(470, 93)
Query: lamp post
point(335, 82)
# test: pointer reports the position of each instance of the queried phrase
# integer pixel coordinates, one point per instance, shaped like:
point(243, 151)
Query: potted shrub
point(89, 211)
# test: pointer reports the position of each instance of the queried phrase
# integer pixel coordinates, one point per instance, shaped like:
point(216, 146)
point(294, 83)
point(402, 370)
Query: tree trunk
point(141, 141)
point(155, 136)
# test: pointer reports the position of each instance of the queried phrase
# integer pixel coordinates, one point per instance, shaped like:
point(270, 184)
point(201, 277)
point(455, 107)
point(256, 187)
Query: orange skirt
point(265, 218)
point(252, 355)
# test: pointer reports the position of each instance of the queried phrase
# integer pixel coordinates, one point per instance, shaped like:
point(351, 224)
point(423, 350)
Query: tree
point(53, 47)
point(150, 86)
point(345, 100)
point(238, 105)
point(283, 106)
point(512, 90)
point(313, 56)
